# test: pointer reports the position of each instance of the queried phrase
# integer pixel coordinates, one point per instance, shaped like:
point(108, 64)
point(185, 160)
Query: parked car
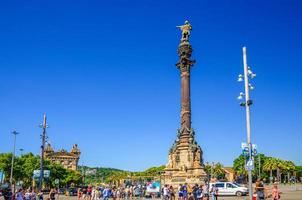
point(229, 188)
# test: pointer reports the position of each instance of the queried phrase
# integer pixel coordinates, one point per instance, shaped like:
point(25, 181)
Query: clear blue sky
point(104, 73)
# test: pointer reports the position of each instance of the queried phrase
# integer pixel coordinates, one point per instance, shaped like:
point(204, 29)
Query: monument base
point(191, 176)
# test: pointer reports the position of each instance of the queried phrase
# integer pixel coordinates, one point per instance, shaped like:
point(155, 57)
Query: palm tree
point(270, 164)
point(288, 168)
point(218, 171)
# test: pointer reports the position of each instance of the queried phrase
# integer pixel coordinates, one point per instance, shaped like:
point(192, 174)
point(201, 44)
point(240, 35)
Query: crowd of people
point(29, 194)
point(187, 192)
point(183, 192)
point(261, 193)
point(106, 192)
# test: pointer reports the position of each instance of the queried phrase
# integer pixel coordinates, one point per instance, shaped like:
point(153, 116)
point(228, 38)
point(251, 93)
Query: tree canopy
point(269, 168)
point(25, 164)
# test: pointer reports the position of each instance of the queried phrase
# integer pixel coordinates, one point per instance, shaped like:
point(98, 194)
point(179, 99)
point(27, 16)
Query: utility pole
point(249, 148)
point(248, 102)
point(15, 133)
point(43, 136)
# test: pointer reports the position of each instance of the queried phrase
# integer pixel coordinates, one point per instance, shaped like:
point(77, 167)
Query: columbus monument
point(185, 164)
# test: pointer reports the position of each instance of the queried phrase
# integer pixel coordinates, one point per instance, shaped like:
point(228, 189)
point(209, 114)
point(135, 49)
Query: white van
point(228, 188)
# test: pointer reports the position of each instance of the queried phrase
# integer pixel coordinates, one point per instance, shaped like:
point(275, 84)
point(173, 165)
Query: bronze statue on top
point(186, 28)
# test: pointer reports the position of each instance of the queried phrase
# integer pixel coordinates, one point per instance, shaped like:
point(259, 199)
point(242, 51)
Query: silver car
point(229, 188)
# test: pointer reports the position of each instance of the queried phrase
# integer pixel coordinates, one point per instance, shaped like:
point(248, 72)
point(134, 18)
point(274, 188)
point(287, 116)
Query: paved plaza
point(288, 195)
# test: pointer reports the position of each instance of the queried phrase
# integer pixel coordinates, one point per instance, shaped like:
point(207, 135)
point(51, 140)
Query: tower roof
point(48, 148)
point(75, 149)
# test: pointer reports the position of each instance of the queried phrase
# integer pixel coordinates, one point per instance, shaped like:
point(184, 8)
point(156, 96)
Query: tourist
point(113, 193)
point(27, 194)
point(131, 192)
point(205, 192)
point(119, 193)
point(185, 191)
point(214, 192)
point(180, 192)
point(199, 194)
point(275, 192)
point(166, 194)
point(79, 193)
point(195, 189)
point(172, 193)
point(33, 195)
point(106, 193)
point(92, 197)
point(8, 194)
point(127, 192)
point(52, 194)
point(40, 195)
point(190, 192)
point(89, 192)
point(19, 195)
point(85, 196)
point(97, 194)
point(136, 192)
point(260, 190)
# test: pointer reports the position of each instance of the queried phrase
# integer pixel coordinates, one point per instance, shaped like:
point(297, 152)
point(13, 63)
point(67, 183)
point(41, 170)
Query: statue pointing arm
point(186, 28)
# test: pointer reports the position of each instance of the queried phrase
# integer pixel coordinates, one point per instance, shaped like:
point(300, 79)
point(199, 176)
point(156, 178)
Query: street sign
point(249, 165)
point(36, 173)
point(254, 150)
point(244, 145)
point(245, 149)
point(46, 173)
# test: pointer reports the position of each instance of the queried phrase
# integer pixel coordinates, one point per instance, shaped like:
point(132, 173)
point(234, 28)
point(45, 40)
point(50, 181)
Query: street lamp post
point(15, 133)
point(248, 102)
point(43, 136)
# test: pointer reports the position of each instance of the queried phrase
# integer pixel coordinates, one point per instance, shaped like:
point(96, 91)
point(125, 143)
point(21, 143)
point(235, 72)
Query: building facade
point(68, 160)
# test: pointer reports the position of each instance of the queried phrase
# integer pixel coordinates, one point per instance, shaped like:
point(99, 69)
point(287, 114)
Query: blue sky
point(104, 72)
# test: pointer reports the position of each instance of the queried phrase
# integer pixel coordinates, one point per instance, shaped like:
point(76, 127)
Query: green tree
point(263, 174)
point(270, 164)
point(239, 166)
point(298, 171)
point(216, 170)
point(28, 163)
point(5, 164)
point(287, 168)
point(72, 177)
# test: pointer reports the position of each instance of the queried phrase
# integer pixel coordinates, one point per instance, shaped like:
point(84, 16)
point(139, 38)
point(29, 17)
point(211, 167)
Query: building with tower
point(68, 160)
point(185, 162)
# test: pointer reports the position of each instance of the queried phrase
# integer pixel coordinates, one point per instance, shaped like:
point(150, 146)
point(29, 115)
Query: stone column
point(184, 65)
point(185, 98)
